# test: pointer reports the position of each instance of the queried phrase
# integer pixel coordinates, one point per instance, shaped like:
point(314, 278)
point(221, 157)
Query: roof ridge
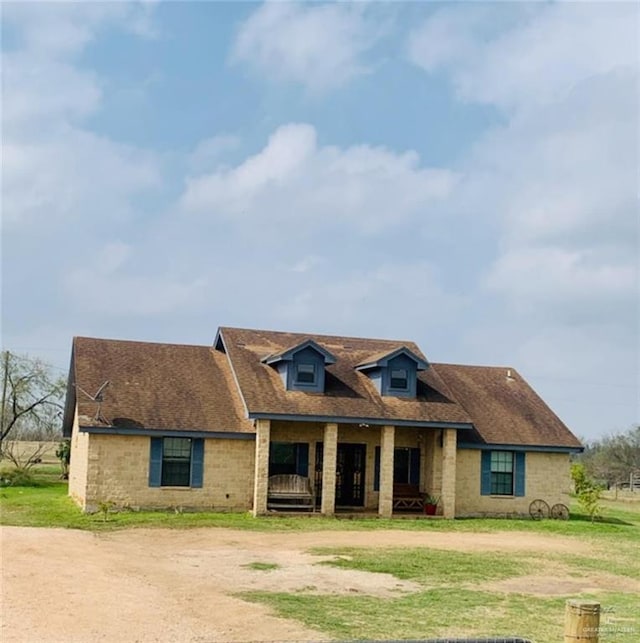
point(138, 341)
point(312, 335)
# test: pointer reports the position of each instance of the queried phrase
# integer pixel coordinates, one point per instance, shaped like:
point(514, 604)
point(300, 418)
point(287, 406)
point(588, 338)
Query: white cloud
point(338, 303)
point(294, 180)
point(74, 176)
point(53, 29)
point(55, 169)
point(552, 278)
point(318, 45)
point(558, 183)
point(114, 292)
point(536, 57)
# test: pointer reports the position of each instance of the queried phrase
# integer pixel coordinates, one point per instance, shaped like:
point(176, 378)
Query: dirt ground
point(144, 585)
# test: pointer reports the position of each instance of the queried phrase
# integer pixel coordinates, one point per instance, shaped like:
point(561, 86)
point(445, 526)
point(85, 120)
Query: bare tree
point(613, 458)
point(30, 405)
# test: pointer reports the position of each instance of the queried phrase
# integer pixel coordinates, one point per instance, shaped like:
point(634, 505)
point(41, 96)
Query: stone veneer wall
point(118, 471)
point(78, 464)
point(116, 468)
point(547, 477)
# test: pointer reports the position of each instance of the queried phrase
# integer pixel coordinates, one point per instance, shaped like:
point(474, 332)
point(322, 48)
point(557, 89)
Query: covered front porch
point(355, 468)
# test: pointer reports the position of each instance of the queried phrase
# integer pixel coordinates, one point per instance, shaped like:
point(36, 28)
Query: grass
point(457, 597)
point(48, 505)
point(427, 566)
point(262, 567)
point(448, 611)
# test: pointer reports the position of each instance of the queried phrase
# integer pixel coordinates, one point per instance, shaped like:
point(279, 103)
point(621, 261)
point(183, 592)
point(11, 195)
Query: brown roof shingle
point(348, 393)
point(158, 386)
point(200, 388)
point(505, 410)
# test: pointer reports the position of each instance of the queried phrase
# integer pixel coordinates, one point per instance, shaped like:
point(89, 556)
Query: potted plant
point(430, 504)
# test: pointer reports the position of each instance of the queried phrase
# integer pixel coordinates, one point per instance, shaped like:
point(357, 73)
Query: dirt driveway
point(177, 585)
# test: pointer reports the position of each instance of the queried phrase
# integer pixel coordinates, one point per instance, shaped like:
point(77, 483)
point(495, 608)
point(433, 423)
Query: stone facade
point(449, 461)
point(79, 465)
point(261, 472)
point(118, 471)
point(116, 468)
point(387, 445)
point(547, 478)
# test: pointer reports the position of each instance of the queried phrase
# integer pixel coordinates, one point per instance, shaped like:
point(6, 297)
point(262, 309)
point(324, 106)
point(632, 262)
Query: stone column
point(330, 456)
point(449, 442)
point(387, 441)
point(261, 475)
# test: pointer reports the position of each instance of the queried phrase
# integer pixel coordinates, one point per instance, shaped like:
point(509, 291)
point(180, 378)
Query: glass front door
point(350, 474)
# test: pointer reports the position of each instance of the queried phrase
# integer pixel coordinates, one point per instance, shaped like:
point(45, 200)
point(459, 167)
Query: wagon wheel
point(539, 509)
point(560, 512)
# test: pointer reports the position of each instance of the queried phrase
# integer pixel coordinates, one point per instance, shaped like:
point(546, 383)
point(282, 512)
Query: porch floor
point(353, 514)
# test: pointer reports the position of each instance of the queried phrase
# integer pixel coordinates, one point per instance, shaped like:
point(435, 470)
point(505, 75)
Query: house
point(204, 427)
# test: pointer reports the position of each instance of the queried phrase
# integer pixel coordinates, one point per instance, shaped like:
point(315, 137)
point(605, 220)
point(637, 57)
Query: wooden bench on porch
point(407, 497)
point(290, 491)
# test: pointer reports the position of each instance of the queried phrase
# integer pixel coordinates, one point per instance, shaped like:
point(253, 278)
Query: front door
point(350, 474)
point(350, 470)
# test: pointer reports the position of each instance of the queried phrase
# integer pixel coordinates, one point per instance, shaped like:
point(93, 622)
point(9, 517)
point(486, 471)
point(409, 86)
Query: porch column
point(449, 445)
point(261, 475)
point(387, 441)
point(329, 458)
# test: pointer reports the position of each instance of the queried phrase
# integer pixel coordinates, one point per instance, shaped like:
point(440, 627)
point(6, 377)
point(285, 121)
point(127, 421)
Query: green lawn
point(457, 597)
point(455, 600)
point(47, 505)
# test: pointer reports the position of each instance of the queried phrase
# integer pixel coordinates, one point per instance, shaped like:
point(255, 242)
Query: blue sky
point(461, 175)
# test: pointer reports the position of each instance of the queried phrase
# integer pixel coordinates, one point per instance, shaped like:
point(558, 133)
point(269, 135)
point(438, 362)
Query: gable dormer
point(394, 373)
point(302, 367)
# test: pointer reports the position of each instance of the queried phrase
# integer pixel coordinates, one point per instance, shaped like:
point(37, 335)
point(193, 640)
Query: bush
point(63, 453)
point(587, 490)
point(17, 478)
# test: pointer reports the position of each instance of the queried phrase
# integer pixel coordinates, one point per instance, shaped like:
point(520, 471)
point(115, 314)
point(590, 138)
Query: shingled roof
point(221, 388)
point(504, 408)
point(155, 386)
point(348, 393)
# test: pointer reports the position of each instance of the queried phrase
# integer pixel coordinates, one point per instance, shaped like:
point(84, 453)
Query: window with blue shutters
point(502, 473)
point(176, 462)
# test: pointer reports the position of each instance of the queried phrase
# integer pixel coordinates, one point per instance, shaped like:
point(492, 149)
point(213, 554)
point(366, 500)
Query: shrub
point(63, 453)
point(587, 490)
point(17, 478)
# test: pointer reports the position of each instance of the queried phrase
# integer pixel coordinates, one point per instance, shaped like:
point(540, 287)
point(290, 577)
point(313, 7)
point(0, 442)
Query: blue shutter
point(197, 461)
point(376, 470)
point(302, 459)
point(520, 473)
point(155, 462)
point(414, 466)
point(485, 473)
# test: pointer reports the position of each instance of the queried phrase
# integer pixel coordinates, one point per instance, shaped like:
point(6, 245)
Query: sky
point(462, 175)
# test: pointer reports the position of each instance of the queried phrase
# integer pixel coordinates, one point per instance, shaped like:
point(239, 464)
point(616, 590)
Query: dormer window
point(305, 374)
point(302, 367)
point(399, 379)
point(394, 372)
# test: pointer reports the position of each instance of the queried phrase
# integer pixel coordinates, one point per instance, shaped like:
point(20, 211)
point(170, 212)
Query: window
point(401, 465)
point(406, 466)
point(288, 457)
point(176, 462)
point(501, 473)
point(306, 374)
point(399, 379)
